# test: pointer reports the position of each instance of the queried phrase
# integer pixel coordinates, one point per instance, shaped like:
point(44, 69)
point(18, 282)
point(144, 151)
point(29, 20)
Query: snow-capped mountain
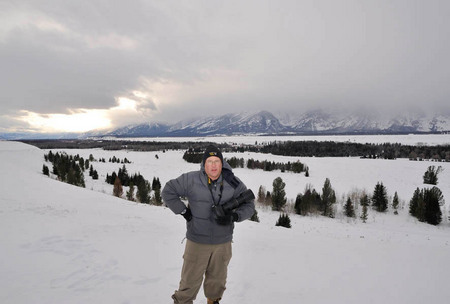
point(312, 122)
point(140, 130)
point(243, 123)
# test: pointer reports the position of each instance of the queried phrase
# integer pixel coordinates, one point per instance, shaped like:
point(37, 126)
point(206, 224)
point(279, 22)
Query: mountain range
point(312, 122)
point(315, 122)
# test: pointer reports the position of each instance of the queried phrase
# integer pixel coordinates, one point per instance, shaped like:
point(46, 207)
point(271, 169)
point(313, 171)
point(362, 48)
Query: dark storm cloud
point(210, 57)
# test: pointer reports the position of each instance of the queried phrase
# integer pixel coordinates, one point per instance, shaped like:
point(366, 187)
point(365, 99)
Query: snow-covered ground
point(64, 244)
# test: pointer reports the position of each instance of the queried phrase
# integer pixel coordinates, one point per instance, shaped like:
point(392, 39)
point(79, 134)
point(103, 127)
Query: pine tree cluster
point(193, 157)
point(311, 202)
point(425, 205)
point(296, 167)
point(144, 188)
point(93, 173)
point(67, 168)
point(235, 162)
point(284, 221)
point(115, 159)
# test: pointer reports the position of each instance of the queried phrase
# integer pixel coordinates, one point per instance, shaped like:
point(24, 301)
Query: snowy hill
point(63, 244)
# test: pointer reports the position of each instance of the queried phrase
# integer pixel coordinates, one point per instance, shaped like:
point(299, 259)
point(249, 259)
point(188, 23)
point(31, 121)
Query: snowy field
point(64, 244)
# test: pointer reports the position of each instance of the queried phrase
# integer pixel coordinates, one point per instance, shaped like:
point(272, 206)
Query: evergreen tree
point(278, 194)
point(81, 163)
point(130, 192)
point(364, 201)
point(261, 194)
point(284, 221)
point(431, 175)
point(348, 207)
point(299, 206)
point(379, 198)
point(156, 186)
point(157, 200)
point(80, 176)
point(421, 207)
point(328, 198)
point(71, 179)
point(143, 191)
point(123, 176)
point(395, 203)
point(49, 157)
point(55, 169)
point(255, 217)
point(45, 170)
point(156, 183)
point(118, 189)
point(414, 202)
point(434, 199)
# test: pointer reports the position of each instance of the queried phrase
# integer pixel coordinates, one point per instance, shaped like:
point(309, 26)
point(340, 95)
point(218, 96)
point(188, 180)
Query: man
point(215, 202)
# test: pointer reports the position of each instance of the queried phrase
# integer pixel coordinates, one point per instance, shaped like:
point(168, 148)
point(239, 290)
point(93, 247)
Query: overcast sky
point(120, 62)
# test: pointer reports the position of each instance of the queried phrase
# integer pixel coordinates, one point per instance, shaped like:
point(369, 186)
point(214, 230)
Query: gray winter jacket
point(194, 186)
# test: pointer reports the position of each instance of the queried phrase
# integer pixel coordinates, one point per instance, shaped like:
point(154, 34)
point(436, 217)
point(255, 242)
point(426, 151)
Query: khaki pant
point(201, 259)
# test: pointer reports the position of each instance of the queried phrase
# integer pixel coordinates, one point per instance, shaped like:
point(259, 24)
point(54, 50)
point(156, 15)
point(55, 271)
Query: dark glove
point(187, 214)
point(227, 219)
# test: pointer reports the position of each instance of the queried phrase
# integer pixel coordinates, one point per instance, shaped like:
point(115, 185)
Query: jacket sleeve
point(246, 209)
point(173, 191)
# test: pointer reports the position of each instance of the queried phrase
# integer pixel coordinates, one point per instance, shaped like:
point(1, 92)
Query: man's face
point(213, 167)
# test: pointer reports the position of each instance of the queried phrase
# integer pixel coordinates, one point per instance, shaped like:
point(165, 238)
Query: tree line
point(346, 149)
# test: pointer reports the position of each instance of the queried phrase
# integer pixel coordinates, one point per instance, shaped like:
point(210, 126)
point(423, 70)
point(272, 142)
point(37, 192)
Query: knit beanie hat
point(212, 151)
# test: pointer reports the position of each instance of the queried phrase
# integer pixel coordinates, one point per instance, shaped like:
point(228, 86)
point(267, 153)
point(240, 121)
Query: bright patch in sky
point(81, 121)
point(126, 104)
point(126, 111)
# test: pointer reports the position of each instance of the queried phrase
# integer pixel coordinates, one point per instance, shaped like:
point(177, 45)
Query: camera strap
point(210, 185)
point(228, 175)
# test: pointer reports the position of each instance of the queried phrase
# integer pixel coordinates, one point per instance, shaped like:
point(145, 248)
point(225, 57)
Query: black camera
point(221, 210)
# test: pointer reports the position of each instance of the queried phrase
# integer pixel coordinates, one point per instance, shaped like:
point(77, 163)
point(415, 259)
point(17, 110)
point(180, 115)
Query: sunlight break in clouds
point(84, 120)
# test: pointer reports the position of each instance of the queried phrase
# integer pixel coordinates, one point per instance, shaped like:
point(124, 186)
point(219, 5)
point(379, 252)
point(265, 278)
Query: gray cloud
point(209, 57)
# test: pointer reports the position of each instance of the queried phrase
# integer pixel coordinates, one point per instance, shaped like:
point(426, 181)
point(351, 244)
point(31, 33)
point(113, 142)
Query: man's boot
point(216, 301)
